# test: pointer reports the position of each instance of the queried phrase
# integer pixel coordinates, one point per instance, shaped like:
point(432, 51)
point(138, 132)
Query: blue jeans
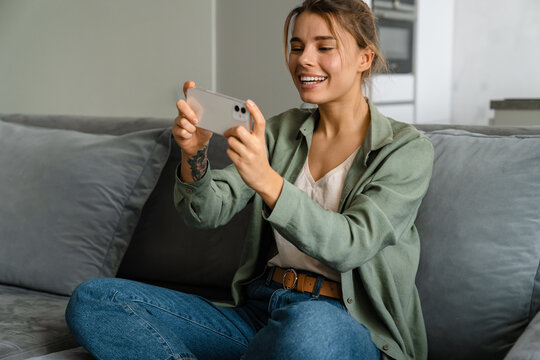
point(123, 319)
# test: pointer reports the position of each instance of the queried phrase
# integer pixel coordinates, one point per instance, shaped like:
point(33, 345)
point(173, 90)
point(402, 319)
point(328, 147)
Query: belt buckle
point(292, 271)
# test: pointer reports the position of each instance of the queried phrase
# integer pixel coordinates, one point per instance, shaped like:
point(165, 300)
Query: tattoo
point(199, 163)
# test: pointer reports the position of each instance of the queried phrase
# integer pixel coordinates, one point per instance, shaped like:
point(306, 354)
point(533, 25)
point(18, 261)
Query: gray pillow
point(70, 202)
point(479, 226)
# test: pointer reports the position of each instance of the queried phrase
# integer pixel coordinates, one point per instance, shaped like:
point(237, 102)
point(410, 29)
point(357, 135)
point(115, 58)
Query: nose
point(307, 58)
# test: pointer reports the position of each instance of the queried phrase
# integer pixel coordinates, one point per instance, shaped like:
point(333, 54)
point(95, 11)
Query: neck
point(343, 117)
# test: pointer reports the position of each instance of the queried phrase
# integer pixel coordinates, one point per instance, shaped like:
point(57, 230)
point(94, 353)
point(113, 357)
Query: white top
point(326, 192)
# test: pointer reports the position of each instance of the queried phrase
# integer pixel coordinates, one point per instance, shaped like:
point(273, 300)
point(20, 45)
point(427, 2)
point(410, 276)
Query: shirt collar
point(379, 134)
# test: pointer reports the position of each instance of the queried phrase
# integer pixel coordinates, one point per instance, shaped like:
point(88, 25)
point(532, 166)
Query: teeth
point(312, 78)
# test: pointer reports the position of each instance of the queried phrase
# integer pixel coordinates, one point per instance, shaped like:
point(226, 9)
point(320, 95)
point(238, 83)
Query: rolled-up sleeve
point(213, 200)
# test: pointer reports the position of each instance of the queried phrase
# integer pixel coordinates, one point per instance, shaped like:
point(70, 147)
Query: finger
point(181, 134)
point(235, 158)
point(259, 123)
point(187, 85)
point(239, 132)
point(237, 146)
point(185, 111)
point(187, 125)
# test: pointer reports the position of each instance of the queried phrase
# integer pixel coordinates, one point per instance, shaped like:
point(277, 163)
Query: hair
point(354, 16)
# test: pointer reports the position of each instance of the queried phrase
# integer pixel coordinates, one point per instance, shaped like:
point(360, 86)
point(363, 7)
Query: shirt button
point(386, 347)
point(350, 300)
point(189, 191)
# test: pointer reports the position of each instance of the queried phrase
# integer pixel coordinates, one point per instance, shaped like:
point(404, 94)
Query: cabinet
point(425, 95)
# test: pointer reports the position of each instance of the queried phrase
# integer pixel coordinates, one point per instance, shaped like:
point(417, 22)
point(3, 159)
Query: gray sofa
point(86, 197)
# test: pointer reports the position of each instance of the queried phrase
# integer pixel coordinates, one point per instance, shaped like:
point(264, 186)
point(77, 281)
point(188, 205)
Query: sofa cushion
point(70, 202)
point(479, 227)
point(78, 353)
point(32, 323)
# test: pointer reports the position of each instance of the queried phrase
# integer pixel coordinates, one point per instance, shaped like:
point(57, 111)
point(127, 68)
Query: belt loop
point(270, 275)
point(317, 289)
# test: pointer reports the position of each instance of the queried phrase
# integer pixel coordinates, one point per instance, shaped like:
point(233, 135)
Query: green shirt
point(371, 240)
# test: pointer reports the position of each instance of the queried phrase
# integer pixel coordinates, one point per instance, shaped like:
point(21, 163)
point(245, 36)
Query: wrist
point(270, 190)
point(194, 166)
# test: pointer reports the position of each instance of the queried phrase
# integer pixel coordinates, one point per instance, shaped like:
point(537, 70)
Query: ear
point(366, 58)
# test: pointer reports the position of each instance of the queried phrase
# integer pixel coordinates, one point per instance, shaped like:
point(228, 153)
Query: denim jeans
point(123, 319)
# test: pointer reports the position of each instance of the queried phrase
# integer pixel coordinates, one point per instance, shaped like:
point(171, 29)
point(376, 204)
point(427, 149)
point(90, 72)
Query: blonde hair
point(354, 16)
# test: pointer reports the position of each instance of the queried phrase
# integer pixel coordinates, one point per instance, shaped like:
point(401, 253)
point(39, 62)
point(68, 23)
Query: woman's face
point(321, 72)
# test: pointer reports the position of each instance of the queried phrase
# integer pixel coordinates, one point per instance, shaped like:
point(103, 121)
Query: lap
point(292, 325)
point(312, 329)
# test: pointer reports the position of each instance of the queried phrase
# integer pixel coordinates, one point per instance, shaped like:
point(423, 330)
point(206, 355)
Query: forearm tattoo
point(199, 163)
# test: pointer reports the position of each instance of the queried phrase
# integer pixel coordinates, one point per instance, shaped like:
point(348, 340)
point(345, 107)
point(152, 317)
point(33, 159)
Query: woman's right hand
point(189, 137)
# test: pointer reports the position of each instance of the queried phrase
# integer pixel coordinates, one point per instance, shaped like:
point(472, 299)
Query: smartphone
point(217, 112)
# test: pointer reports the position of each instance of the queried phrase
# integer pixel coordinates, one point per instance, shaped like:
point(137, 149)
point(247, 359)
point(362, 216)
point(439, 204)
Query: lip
point(311, 86)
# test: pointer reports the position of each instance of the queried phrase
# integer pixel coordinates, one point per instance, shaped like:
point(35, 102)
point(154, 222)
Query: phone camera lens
point(236, 108)
point(243, 110)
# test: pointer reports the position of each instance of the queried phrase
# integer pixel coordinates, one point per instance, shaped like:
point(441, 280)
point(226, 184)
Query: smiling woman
point(331, 251)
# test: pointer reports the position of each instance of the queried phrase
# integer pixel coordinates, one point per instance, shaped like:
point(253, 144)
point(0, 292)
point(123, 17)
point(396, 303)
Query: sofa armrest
point(527, 347)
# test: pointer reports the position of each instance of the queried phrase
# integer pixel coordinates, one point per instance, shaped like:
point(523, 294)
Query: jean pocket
point(337, 303)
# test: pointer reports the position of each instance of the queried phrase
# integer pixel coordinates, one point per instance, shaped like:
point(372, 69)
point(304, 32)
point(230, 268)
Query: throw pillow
point(70, 202)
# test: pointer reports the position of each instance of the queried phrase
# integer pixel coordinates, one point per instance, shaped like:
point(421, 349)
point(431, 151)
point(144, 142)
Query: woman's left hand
point(247, 151)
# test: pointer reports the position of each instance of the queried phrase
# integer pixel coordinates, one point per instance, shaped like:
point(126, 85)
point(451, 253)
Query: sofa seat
point(32, 323)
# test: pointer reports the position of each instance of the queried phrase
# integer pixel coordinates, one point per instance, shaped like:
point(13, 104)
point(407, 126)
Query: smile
point(310, 80)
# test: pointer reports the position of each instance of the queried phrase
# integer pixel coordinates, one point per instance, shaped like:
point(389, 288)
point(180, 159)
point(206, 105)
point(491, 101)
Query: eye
point(325, 48)
point(296, 49)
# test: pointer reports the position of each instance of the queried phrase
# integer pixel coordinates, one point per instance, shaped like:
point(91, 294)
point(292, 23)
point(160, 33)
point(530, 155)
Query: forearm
point(193, 167)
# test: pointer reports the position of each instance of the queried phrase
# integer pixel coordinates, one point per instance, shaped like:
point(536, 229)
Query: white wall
point(250, 62)
point(102, 57)
point(496, 55)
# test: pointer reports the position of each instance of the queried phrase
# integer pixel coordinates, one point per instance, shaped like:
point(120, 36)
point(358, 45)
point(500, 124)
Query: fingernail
point(196, 120)
point(250, 103)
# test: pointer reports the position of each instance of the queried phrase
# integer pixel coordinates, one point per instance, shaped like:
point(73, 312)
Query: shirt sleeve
point(375, 217)
point(213, 200)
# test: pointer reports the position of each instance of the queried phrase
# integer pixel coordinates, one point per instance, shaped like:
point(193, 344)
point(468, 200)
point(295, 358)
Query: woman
point(331, 252)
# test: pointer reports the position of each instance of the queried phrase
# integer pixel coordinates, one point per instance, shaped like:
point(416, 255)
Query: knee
point(86, 300)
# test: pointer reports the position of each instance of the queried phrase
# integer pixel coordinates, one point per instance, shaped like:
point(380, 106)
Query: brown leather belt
point(296, 280)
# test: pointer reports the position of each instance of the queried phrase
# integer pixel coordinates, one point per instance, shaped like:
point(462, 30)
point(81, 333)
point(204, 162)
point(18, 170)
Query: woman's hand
point(192, 140)
point(189, 137)
point(247, 151)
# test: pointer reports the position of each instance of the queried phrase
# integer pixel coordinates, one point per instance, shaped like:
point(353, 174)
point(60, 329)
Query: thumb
point(259, 123)
point(187, 85)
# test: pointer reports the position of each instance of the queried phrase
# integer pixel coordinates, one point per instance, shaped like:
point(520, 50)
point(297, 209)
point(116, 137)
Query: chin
point(311, 98)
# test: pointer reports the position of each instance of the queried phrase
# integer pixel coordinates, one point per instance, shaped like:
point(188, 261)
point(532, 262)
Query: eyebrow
point(317, 38)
